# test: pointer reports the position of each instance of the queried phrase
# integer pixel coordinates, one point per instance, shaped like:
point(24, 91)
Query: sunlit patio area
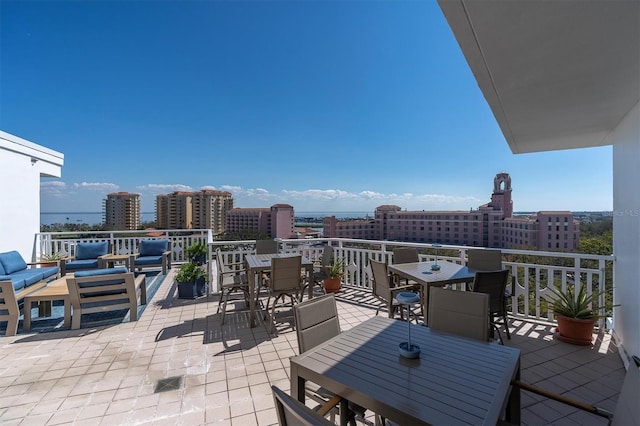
point(178, 365)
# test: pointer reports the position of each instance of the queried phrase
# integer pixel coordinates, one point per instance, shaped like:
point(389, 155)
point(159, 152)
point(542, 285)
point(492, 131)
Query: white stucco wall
point(22, 163)
point(626, 230)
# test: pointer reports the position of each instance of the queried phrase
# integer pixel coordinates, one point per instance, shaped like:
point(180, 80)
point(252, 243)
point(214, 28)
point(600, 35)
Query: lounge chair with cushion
point(103, 290)
point(87, 256)
point(153, 253)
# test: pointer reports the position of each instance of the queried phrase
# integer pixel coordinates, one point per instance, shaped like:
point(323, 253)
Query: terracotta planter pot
point(332, 285)
point(574, 330)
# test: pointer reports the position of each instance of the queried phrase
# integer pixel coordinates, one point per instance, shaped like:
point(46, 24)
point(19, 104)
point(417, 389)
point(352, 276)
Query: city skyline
point(337, 106)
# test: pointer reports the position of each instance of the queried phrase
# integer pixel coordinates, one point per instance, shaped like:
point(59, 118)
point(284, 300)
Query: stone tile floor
point(221, 374)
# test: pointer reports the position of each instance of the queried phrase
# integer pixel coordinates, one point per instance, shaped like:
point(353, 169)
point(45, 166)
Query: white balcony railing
point(533, 272)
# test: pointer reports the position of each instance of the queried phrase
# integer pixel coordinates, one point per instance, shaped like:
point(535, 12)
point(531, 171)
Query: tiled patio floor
point(108, 376)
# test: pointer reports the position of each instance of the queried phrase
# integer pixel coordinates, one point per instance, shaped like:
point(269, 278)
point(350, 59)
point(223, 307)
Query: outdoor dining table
point(421, 272)
point(455, 380)
point(259, 263)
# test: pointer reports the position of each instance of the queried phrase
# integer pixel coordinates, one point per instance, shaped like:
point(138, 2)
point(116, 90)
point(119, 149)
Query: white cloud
point(54, 188)
point(97, 186)
point(159, 188)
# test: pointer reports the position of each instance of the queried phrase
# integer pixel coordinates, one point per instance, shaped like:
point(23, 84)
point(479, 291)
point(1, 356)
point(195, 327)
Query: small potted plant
point(192, 281)
point(335, 271)
point(577, 314)
point(52, 259)
point(197, 253)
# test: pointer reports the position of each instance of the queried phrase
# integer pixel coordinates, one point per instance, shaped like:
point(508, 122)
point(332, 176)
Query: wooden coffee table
point(110, 261)
point(55, 290)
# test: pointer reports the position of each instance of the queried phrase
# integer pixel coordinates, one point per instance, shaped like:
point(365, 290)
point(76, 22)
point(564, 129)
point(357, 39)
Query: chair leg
point(506, 326)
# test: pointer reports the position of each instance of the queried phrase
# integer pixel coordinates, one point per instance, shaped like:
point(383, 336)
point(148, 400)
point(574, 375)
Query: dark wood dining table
point(455, 380)
point(259, 263)
point(421, 272)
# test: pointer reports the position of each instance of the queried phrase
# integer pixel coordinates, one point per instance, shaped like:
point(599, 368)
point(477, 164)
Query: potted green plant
point(52, 259)
point(577, 313)
point(335, 271)
point(197, 253)
point(192, 281)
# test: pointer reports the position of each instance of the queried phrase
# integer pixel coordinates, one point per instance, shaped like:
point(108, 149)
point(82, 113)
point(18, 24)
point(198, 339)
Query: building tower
point(501, 197)
point(122, 211)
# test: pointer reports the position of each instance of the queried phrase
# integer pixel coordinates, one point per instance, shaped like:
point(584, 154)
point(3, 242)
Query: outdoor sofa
point(17, 280)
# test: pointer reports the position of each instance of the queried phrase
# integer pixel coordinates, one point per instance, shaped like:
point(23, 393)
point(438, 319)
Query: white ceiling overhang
point(556, 74)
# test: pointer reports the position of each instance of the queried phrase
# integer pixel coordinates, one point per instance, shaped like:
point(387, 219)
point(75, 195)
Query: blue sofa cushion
point(91, 250)
point(109, 271)
point(148, 260)
point(12, 261)
point(49, 271)
point(18, 283)
point(2, 272)
point(30, 276)
point(81, 264)
point(153, 247)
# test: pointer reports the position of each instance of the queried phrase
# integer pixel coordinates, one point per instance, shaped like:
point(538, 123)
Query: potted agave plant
point(335, 272)
point(577, 313)
point(52, 259)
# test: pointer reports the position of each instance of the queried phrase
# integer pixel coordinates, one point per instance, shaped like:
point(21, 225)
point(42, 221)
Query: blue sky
point(327, 106)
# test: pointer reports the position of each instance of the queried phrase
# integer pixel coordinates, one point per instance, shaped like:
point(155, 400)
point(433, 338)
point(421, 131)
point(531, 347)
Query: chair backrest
point(627, 410)
point(285, 273)
point(484, 259)
point(494, 284)
point(221, 265)
point(405, 255)
point(459, 312)
point(153, 247)
point(91, 250)
point(292, 412)
point(267, 246)
point(327, 256)
point(381, 285)
point(316, 321)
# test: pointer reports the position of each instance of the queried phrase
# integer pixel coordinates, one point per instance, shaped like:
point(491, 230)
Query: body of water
point(95, 218)
point(91, 218)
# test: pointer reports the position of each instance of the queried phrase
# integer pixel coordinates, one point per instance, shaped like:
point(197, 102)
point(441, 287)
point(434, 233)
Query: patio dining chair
point(405, 255)
point(484, 259)
point(285, 283)
point(292, 412)
point(267, 246)
point(316, 321)
point(384, 291)
point(320, 271)
point(494, 283)
point(459, 312)
point(232, 280)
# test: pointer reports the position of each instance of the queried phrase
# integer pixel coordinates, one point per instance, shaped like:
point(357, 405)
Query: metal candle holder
point(407, 349)
point(435, 266)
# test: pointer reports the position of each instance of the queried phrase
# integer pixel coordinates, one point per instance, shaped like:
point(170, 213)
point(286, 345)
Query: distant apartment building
point(122, 211)
point(276, 221)
point(490, 225)
point(206, 209)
